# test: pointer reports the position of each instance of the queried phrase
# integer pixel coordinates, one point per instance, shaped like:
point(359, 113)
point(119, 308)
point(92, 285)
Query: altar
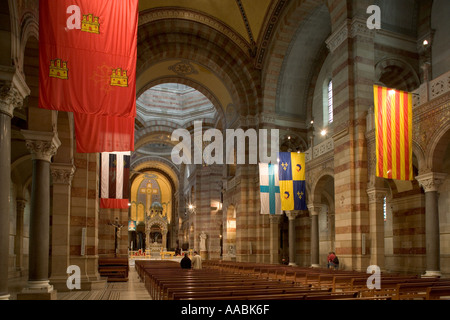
point(156, 227)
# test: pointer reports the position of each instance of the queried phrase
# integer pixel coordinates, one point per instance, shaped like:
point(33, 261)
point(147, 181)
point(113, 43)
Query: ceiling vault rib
point(253, 48)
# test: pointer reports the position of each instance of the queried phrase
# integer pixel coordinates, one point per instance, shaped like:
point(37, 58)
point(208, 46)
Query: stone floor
point(134, 289)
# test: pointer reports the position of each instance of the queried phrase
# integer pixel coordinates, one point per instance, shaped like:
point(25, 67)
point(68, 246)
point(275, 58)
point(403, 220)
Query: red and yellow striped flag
point(393, 125)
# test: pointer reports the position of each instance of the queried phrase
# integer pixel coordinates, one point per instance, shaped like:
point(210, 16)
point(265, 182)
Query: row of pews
point(224, 280)
point(393, 286)
point(114, 269)
point(165, 280)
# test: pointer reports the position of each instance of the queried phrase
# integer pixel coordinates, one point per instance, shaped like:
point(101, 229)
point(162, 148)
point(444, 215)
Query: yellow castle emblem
point(58, 69)
point(119, 78)
point(90, 24)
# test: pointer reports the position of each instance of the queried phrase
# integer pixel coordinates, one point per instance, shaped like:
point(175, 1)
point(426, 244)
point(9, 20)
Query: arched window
point(330, 101)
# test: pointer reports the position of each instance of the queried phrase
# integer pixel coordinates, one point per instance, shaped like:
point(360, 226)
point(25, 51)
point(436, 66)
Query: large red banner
point(88, 52)
point(103, 133)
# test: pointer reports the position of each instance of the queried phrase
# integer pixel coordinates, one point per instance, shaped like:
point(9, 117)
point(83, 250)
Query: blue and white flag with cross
point(269, 189)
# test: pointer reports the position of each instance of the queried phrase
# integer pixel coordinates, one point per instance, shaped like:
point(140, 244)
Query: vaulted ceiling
point(245, 17)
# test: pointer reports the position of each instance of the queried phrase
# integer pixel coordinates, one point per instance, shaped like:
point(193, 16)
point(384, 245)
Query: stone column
point(376, 221)
point(62, 175)
point(352, 54)
point(11, 97)
point(275, 238)
point(430, 182)
point(18, 243)
point(292, 215)
point(42, 146)
point(315, 211)
point(164, 240)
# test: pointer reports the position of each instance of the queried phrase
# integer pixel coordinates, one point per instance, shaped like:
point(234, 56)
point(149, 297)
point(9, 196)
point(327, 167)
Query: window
point(330, 101)
point(384, 209)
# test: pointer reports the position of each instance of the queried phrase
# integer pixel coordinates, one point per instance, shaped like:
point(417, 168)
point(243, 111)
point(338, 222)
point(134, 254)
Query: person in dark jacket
point(186, 263)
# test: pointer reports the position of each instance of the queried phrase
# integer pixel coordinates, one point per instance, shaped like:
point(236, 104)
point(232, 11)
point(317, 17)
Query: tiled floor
point(131, 290)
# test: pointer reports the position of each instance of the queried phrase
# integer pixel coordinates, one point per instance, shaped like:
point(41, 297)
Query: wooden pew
point(115, 269)
point(241, 292)
point(418, 290)
point(438, 292)
point(287, 296)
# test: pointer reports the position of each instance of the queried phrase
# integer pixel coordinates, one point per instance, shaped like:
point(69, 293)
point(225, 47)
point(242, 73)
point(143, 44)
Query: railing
point(431, 90)
point(319, 150)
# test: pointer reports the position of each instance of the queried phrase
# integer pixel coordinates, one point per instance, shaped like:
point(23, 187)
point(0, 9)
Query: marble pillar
point(275, 238)
point(314, 212)
point(42, 146)
point(292, 215)
point(18, 243)
point(62, 175)
point(431, 182)
point(12, 94)
point(376, 218)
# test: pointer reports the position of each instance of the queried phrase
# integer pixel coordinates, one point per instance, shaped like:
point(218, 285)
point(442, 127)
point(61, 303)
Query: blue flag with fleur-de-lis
point(291, 170)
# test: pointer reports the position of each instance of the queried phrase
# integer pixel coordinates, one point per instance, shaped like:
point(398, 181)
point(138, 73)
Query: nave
point(133, 289)
point(225, 280)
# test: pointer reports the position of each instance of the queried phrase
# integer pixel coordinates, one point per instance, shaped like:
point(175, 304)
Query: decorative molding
point(376, 195)
point(10, 98)
point(292, 215)
point(349, 29)
point(323, 148)
point(42, 145)
point(359, 28)
point(315, 209)
point(431, 90)
point(431, 182)
point(248, 28)
point(21, 204)
point(197, 17)
point(62, 173)
point(269, 28)
point(429, 118)
point(183, 68)
point(339, 36)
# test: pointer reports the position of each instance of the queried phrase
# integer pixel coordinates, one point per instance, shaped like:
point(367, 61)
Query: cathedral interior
point(304, 67)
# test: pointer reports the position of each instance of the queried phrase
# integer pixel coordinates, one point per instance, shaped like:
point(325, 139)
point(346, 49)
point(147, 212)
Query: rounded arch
point(419, 155)
point(301, 61)
point(154, 163)
point(29, 29)
point(397, 74)
point(193, 84)
point(292, 142)
point(294, 16)
point(438, 149)
point(320, 184)
point(214, 52)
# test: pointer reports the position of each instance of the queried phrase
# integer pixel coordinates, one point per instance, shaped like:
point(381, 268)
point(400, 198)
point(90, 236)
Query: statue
point(203, 241)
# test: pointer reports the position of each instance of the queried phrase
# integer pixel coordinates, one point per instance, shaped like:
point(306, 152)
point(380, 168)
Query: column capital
point(62, 173)
point(431, 181)
point(292, 215)
point(315, 209)
point(275, 218)
point(377, 195)
point(13, 90)
point(21, 203)
point(42, 145)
